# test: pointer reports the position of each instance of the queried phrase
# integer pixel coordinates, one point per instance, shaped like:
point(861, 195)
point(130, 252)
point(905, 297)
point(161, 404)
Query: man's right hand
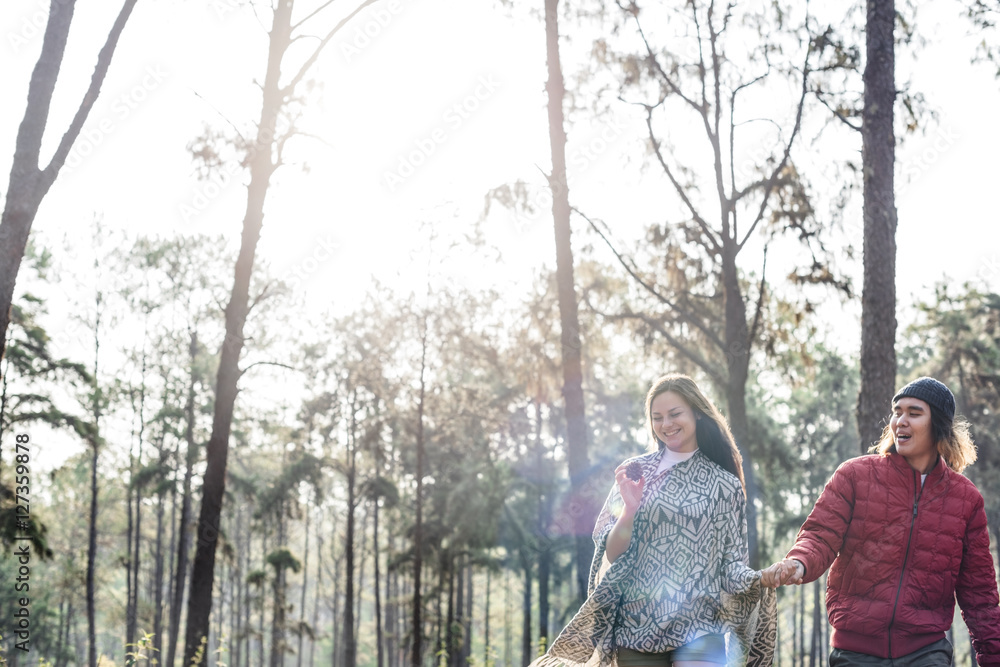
point(782, 573)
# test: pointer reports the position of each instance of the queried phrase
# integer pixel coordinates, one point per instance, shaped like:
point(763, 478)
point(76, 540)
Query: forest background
point(400, 451)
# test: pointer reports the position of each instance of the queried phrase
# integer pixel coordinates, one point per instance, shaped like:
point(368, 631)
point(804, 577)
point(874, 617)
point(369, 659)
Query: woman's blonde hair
point(952, 438)
point(711, 428)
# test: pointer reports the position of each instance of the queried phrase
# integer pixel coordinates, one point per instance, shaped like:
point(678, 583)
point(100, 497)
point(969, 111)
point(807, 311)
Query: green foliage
point(199, 655)
point(257, 578)
point(14, 528)
point(136, 652)
point(304, 467)
point(282, 558)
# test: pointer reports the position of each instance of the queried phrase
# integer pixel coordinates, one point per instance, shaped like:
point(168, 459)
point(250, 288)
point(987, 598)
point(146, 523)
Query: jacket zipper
point(906, 557)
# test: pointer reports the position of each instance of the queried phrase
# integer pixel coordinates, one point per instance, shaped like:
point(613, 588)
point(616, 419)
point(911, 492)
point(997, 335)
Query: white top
point(670, 458)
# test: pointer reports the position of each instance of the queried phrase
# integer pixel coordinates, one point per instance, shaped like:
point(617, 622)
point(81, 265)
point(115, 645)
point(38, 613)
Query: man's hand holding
point(783, 573)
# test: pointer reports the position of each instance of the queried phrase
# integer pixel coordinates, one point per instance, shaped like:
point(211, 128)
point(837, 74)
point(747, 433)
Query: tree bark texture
point(29, 182)
point(583, 505)
point(350, 647)
point(878, 154)
point(417, 629)
point(261, 169)
point(183, 530)
point(738, 364)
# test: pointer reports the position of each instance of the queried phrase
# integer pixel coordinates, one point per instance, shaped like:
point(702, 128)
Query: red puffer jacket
point(903, 554)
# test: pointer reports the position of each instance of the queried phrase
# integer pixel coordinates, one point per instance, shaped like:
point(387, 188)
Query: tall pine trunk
point(878, 156)
point(527, 655)
point(29, 182)
point(458, 621)
point(737, 337)
point(417, 628)
point(95, 442)
point(318, 588)
point(584, 510)
point(278, 615)
point(134, 560)
point(183, 529)
point(448, 566)
point(379, 638)
point(262, 167)
point(486, 617)
point(467, 622)
point(305, 586)
point(158, 579)
point(350, 648)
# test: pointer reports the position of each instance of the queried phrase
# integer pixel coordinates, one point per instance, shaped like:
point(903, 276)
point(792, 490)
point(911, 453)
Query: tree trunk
point(91, 560)
point(448, 566)
point(217, 451)
point(95, 441)
point(62, 658)
point(362, 560)
point(350, 648)
point(416, 656)
point(544, 568)
point(183, 530)
point(305, 586)
point(583, 504)
point(486, 618)
point(391, 609)
point(508, 623)
point(29, 183)
point(278, 622)
point(134, 560)
point(878, 155)
point(738, 363)
point(458, 621)
point(319, 587)
point(802, 625)
point(815, 655)
point(379, 639)
point(158, 580)
point(527, 655)
point(336, 604)
point(260, 602)
point(130, 491)
point(237, 603)
point(467, 624)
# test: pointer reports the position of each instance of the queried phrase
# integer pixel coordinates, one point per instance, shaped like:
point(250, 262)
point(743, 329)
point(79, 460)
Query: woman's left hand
point(630, 490)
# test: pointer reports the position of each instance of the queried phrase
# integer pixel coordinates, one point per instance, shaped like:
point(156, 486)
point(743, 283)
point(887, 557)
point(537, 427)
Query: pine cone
point(634, 471)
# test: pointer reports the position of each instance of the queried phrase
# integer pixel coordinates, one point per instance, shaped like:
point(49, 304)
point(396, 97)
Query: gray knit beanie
point(933, 392)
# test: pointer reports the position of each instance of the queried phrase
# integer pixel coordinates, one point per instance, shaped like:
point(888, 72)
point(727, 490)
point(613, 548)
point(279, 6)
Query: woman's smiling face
point(674, 422)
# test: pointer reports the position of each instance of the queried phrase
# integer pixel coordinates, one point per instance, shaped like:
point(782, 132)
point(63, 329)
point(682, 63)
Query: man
point(907, 535)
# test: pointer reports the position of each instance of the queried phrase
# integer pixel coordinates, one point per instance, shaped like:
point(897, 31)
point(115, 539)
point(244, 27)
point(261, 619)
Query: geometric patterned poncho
point(684, 574)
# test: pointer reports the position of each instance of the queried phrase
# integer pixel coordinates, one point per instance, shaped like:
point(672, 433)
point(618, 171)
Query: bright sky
point(447, 98)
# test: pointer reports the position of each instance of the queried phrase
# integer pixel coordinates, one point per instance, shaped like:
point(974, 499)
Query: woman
point(670, 578)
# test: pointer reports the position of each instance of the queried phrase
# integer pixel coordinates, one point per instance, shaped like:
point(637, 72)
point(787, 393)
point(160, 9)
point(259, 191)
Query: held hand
point(785, 572)
point(631, 491)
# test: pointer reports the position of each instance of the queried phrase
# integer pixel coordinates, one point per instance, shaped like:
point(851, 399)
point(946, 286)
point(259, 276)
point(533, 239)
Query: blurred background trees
point(404, 481)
